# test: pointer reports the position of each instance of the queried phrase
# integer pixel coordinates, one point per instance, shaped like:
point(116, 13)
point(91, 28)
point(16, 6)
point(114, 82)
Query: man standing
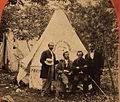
point(48, 61)
point(79, 72)
point(95, 63)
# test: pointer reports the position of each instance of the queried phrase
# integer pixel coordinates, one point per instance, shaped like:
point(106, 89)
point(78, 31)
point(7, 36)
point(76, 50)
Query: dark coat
point(45, 68)
point(79, 63)
point(64, 76)
point(95, 64)
point(62, 65)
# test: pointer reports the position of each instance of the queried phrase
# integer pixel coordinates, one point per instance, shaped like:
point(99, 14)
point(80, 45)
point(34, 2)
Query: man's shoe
point(45, 94)
point(42, 94)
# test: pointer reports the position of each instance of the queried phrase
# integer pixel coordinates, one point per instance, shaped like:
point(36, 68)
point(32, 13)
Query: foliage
point(26, 23)
point(12, 1)
point(93, 24)
point(42, 2)
point(97, 25)
point(27, 94)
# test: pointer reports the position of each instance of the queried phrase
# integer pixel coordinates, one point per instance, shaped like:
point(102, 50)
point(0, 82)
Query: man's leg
point(74, 86)
point(85, 86)
point(46, 86)
point(97, 80)
point(93, 91)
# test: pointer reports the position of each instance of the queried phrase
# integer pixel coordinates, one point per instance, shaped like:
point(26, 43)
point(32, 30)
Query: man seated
point(80, 72)
point(64, 73)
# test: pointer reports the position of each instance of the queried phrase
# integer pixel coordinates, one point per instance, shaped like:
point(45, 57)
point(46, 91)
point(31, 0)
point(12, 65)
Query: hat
point(49, 61)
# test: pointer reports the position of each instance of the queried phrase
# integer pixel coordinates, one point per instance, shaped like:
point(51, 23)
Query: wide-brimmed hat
point(49, 61)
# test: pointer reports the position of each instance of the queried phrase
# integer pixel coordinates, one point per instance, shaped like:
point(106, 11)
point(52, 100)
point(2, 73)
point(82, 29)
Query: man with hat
point(48, 61)
point(94, 61)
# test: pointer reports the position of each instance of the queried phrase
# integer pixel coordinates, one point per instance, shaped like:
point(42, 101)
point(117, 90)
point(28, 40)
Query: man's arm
point(74, 65)
point(102, 61)
point(59, 67)
point(55, 61)
point(43, 57)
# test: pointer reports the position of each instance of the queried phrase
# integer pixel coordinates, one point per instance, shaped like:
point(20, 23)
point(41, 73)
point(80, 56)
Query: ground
point(7, 87)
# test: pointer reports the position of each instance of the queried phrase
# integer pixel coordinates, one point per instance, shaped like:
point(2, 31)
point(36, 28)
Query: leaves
point(94, 24)
point(29, 22)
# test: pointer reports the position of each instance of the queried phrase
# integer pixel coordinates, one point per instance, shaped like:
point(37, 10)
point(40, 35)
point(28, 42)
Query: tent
point(15, 51)
point(59, 31)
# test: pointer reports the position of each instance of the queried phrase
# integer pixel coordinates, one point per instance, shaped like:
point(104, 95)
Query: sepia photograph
point(59, 51)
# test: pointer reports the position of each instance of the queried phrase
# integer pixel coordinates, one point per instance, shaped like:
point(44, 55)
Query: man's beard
point(67, 58)
point(51, 49)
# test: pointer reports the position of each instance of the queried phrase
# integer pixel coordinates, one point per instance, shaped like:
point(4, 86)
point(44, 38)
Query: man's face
point(51, 46)
point(66, 55)
point(80, 54)
point(91, 47)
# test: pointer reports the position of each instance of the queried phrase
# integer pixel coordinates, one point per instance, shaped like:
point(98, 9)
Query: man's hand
point(69, 73)
point(85, 66)
point(80, 72)
point(77, 67)
point(59, 71)
point(66, 71)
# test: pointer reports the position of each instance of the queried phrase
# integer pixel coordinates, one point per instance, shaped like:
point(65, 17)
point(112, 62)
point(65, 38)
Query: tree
point(42, 2)
point(93, 24)
point(12, 2)
point(96, 24)
point(27, 23)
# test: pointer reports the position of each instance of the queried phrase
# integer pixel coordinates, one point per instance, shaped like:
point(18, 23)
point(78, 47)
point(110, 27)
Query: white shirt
point(92, 54)
point(52, 56)
point(66, 62)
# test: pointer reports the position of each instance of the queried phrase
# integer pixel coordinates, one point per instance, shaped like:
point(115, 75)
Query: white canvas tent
point(16, 50)
point(59, 31)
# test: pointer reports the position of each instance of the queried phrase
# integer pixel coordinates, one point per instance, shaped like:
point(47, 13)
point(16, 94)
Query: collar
point(50, 51)
point(92, 51)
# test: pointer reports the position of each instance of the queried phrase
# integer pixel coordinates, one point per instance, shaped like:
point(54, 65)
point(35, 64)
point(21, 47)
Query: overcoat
point(46, 68)
point(95, 64)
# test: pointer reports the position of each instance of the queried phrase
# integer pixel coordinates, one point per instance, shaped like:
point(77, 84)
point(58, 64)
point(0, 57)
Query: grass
point(32, 95)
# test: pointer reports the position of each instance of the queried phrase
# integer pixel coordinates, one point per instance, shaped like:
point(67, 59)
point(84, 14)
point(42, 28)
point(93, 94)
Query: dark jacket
point(95, 64)
point(66, 76)
point(62, 65)
point(79, 63)
point(45, 68)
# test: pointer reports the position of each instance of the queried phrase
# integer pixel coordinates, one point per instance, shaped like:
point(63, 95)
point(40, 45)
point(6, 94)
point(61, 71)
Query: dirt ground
point(7, 87)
